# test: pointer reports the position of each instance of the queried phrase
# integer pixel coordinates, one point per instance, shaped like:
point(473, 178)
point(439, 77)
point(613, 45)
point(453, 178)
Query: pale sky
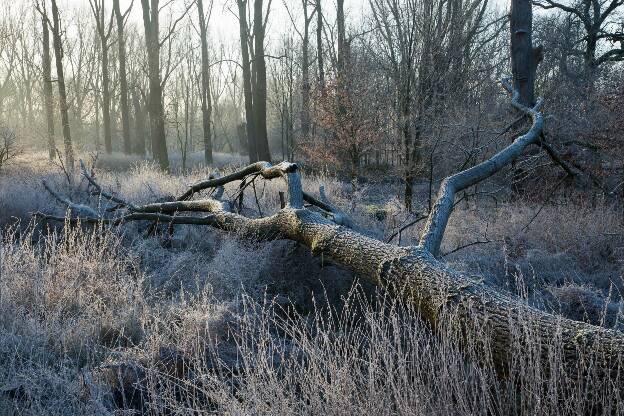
point(223, 23)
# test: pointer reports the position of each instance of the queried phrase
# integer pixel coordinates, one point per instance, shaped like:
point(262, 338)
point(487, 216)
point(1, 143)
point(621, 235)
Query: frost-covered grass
point(94, 321)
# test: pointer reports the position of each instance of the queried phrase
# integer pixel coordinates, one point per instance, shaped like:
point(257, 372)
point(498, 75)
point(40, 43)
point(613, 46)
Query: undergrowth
point(97, 321)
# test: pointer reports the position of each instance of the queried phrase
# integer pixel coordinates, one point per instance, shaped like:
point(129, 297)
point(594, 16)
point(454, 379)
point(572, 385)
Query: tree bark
point(205, 84)
point(47, 86)
point(434, 289)
point(522, 56)
point(58, 55)
point(252, 148)
point(408, 144)
point(155, 102)
point(260, 87)
point(123, 79)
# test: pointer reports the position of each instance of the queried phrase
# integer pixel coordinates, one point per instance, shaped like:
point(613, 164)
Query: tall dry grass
point(97, 321)
point(84, 332)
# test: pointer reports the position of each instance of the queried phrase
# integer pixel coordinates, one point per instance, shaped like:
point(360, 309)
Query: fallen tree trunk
point(412, 273)
point(409, 272)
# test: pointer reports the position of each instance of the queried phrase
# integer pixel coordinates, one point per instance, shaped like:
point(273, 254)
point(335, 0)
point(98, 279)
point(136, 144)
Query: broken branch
point(265, 169)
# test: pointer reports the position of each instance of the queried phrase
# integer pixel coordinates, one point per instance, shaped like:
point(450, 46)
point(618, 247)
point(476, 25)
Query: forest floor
point(99, 321)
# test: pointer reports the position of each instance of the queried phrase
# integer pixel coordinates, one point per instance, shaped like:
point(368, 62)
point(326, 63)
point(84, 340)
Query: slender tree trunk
point(252, 148)
point(341, 70)
point(260, 90)
point(291, 127)
point(305, 77)
point(47, 87)
point(408, 143)
point(342, 39)
point(187, 108)
point(98, 142)
point(58, 55)
point(97, 6)
point(523, 65)
point(319, 46)
point(155, 102)
point(205, 84)
point(139, 124)
point(106, 99)
point(123, 79)
point(282, 130)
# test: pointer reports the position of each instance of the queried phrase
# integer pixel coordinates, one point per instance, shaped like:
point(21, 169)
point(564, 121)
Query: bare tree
point(206, 101)
point(153, 43)
point(95, 82)
point(104, 31)
point(319, 44)
point(155, 105)
point(60, 80)
point(8, 146)
point(123, 78)
point(282, 92)
point(82, 50)
point(228, 98)
point(8, 53)
point(137, 68)
point(247, 90)
point(47, 83)
point(398, 25)
point(260, 84)
point(139, 121)
point(28, 68)
point(422, 45)
point(304, 35)
point(597, 18)
point(183, 94)
point(254, 77)
point(342, 38)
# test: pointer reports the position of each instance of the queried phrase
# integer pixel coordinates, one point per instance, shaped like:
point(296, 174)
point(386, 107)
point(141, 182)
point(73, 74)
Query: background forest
point(113, 105)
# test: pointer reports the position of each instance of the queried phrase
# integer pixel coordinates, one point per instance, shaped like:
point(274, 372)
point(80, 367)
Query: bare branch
point(463, 246)
point(550, 4)
point(336, 214)
point(100, 191)
point(265, 169)
point(433, 232)
point(78, 210)
point(172, 27)
point(405, 227)
point(162, 218)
